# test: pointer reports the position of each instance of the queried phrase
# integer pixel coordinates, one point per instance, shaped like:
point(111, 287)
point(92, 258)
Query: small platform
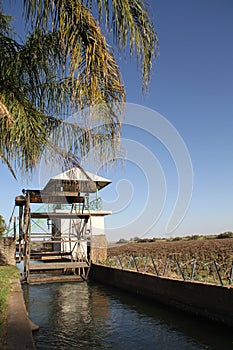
point(50, 272)
point(57, 266)
point(67, 215)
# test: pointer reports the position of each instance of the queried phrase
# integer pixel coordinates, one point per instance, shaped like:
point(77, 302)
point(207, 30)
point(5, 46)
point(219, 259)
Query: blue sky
point(192, 88)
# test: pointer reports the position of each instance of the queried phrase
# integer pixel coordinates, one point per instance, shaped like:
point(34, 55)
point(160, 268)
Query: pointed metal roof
point(87, 182)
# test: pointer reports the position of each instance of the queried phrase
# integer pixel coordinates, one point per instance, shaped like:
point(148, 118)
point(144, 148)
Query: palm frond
point(66, 65)
point(5, 160)
point(5, 27)
point(128, 21)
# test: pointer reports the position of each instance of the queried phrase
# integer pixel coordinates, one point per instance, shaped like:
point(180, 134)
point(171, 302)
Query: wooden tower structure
point(74, 236)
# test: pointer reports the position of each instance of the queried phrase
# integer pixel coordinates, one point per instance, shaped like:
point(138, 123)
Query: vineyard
point(205, 260)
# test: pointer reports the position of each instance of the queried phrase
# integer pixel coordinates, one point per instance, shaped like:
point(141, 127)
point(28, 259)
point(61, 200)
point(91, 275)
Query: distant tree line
point(136, 239)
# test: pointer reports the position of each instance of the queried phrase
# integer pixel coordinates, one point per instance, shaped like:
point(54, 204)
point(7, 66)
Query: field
point(204, 249)
point(208, 260)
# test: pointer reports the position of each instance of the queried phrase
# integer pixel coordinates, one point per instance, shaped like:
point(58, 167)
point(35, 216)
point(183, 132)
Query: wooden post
point(88, 270)
point(135, 263)
point(15, 228)
point(231, 274)
point(155, 268)
point(145, 267)
point(193, 269)
point(15, 235)
point(120, 261)
point(218, 274)
point(179, 268)
point(20, 231)
point(27, 237)
point(165, 268)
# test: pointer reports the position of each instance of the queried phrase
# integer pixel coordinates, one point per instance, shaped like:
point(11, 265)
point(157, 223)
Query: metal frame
point(26, 237)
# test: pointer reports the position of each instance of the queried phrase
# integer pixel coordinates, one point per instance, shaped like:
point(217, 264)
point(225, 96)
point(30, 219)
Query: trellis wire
point(190, 270)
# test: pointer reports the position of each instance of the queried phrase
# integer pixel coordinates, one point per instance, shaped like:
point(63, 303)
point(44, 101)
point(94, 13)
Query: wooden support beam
point(48, 235)
point(42, 255)
point(54, 241)
point(37, 196)
point(51, 216)
point(51, 257)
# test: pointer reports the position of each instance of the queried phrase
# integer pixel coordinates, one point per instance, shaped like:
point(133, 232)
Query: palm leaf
point(5, 160)
point(65, 65)
point(128, 21)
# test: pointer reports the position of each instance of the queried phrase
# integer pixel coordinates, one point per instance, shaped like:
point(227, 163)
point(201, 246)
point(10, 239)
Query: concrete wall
point(98, 248)
point(7, 251)
point(211, 301)
point(19, 326)
point(97, 225)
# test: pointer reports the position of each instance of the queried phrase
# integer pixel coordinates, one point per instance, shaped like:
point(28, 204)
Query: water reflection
point(90, 316)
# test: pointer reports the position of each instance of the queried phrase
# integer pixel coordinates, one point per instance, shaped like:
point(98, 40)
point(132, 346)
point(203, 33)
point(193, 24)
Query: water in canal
point(90, 316)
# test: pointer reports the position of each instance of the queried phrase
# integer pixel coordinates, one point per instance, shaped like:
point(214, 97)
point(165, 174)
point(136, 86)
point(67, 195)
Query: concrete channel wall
point(208, 300)
point(19, 326)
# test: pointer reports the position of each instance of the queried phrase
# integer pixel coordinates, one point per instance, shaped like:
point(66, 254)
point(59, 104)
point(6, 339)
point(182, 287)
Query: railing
point(193, 270)
point(95, 204)
point(68, 207)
